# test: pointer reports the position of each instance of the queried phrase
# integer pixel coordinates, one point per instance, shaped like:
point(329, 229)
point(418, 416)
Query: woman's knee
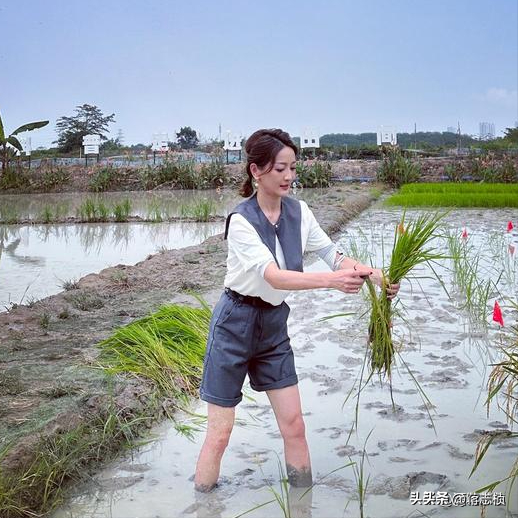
point(293, 427)
point(218, 439)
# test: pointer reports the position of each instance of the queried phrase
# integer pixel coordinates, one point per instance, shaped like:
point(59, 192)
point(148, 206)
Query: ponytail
point(246, 190)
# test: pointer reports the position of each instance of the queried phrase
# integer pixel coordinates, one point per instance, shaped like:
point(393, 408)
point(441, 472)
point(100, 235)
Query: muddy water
point(142, 203)
point(406, 451)
point(35, 260)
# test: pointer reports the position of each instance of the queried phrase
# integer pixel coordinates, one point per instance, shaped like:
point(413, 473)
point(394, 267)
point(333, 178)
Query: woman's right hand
point(349, 280)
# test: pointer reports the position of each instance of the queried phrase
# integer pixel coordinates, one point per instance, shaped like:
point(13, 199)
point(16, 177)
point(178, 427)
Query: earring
point(256, 184)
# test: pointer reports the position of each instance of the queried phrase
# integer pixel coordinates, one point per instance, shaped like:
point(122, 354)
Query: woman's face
point(277, 182)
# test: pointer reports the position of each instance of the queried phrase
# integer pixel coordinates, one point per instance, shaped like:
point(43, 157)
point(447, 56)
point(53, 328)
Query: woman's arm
point(346, 280)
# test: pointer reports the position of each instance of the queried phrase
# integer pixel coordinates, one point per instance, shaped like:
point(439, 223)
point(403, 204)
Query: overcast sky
point(338, 66)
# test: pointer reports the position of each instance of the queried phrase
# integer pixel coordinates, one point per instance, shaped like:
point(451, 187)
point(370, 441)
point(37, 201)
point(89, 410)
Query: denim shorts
point(245, 339)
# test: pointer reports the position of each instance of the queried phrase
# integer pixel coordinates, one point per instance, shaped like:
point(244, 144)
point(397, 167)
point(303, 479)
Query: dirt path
point(47, 351)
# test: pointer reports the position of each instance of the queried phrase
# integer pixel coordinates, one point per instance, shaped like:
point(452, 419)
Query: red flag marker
point(497, 314)
point(509, 226)
point(464, 233)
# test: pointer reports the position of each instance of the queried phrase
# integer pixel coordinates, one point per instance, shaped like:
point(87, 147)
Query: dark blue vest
point(287, 228)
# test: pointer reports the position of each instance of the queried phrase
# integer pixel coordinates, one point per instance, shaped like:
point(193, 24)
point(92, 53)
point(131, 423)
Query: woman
point(267, 236)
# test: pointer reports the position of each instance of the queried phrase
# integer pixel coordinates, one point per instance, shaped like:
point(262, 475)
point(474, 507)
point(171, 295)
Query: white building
point(486, 131)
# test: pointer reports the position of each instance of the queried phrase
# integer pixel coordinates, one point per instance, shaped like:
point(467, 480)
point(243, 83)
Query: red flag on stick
point(464, 233)
point(497, 314)
point(509, 226)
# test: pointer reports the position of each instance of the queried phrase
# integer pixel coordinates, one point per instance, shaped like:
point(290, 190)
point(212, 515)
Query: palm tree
point(13, 141)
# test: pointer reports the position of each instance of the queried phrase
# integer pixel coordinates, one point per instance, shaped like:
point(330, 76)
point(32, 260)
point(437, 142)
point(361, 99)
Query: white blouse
point(248, 256)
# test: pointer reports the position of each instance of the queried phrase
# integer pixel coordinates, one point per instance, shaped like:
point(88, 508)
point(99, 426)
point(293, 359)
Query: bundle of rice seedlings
point(166, 347)
point(410, 249)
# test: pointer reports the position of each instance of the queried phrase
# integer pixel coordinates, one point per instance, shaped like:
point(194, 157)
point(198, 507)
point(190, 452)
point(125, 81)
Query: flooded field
point(35, 260)
point(143, 203)
point(447, 349)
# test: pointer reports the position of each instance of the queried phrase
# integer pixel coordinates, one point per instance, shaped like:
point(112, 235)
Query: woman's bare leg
point(288, 412)
point(219, 426)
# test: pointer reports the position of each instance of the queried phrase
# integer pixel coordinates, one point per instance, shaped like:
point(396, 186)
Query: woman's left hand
point(377, 278)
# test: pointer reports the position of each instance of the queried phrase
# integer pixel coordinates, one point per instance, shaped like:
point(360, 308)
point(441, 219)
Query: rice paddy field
point(380, 452)
point(456, 195)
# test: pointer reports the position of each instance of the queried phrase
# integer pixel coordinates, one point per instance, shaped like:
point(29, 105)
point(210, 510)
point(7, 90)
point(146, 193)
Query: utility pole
point(415, 138)
point(458, 138)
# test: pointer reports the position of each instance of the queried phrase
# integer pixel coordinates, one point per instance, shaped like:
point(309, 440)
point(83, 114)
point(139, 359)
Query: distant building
point(486, 131)
point(386, 135)
point(451, 129)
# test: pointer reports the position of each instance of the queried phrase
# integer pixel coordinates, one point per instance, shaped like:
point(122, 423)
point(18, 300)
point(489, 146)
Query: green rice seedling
point(200, 210)
point(121, 211)
point(474, 284)
point(46, 215)
point(9, 215)
point(290, 501)
point(470, 199)
point(461, 188)
point(166, 347)
point(103, 211)
point(88, 210)
point(410, 249)
point(503, 382)
point(155, 212)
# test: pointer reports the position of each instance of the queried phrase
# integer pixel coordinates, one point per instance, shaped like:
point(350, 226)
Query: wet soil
point(48, 379)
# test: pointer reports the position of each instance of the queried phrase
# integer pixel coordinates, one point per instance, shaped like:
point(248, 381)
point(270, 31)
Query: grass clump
point(166, 347)
point(36, 487)
point(410, 249)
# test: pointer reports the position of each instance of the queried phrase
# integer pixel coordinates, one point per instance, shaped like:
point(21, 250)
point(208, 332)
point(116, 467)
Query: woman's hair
point(261, 149)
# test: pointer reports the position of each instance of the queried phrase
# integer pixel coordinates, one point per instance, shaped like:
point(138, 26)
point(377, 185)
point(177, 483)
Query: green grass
point(37, 485)
point(489, 200)
point(166, 347)
point(456, 195)
point(459, 187)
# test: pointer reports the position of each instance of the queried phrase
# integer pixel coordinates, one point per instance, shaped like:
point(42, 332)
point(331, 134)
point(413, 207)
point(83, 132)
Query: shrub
point(53, 178)
point(102, 179)
point(397, 170)
point(454, 172)
point(318, 174)
point(14, 178)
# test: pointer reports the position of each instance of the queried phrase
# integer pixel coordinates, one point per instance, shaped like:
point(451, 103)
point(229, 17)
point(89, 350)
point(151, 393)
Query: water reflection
point(36, 259)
